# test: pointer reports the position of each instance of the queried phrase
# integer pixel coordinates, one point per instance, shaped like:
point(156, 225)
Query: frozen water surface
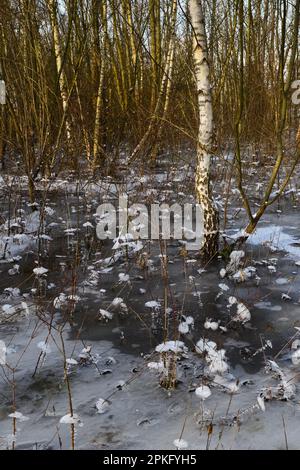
point(117, 400)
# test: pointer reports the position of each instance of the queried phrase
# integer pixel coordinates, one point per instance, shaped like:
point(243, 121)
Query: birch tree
point(2, 117)
point(111, 75)
point(97, 150)
point(205, 133)
point(53, 10)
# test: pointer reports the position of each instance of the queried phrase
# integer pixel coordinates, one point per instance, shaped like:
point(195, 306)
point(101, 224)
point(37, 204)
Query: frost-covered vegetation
point(144, 342)
point(101, 339)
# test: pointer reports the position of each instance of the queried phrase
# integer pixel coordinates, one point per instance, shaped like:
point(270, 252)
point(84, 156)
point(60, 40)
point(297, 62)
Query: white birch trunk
point(2, 104)
point(205, 134)
point(97, 149)
point(59, 65)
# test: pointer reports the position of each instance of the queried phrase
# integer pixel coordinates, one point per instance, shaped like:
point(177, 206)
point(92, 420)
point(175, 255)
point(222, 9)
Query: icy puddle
point(110, 324)
point(278, 239)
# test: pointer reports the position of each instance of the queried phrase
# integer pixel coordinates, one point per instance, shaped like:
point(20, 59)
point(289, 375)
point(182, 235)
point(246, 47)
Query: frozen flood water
point(81, 326)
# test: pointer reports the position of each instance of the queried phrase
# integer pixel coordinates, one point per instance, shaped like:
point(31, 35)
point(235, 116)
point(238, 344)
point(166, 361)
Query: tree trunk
point(166, 83)
point(97, 147)
point(59, 64)
point(2, 114)
point(205, 134)
point(285, 76)
point(154, 26)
